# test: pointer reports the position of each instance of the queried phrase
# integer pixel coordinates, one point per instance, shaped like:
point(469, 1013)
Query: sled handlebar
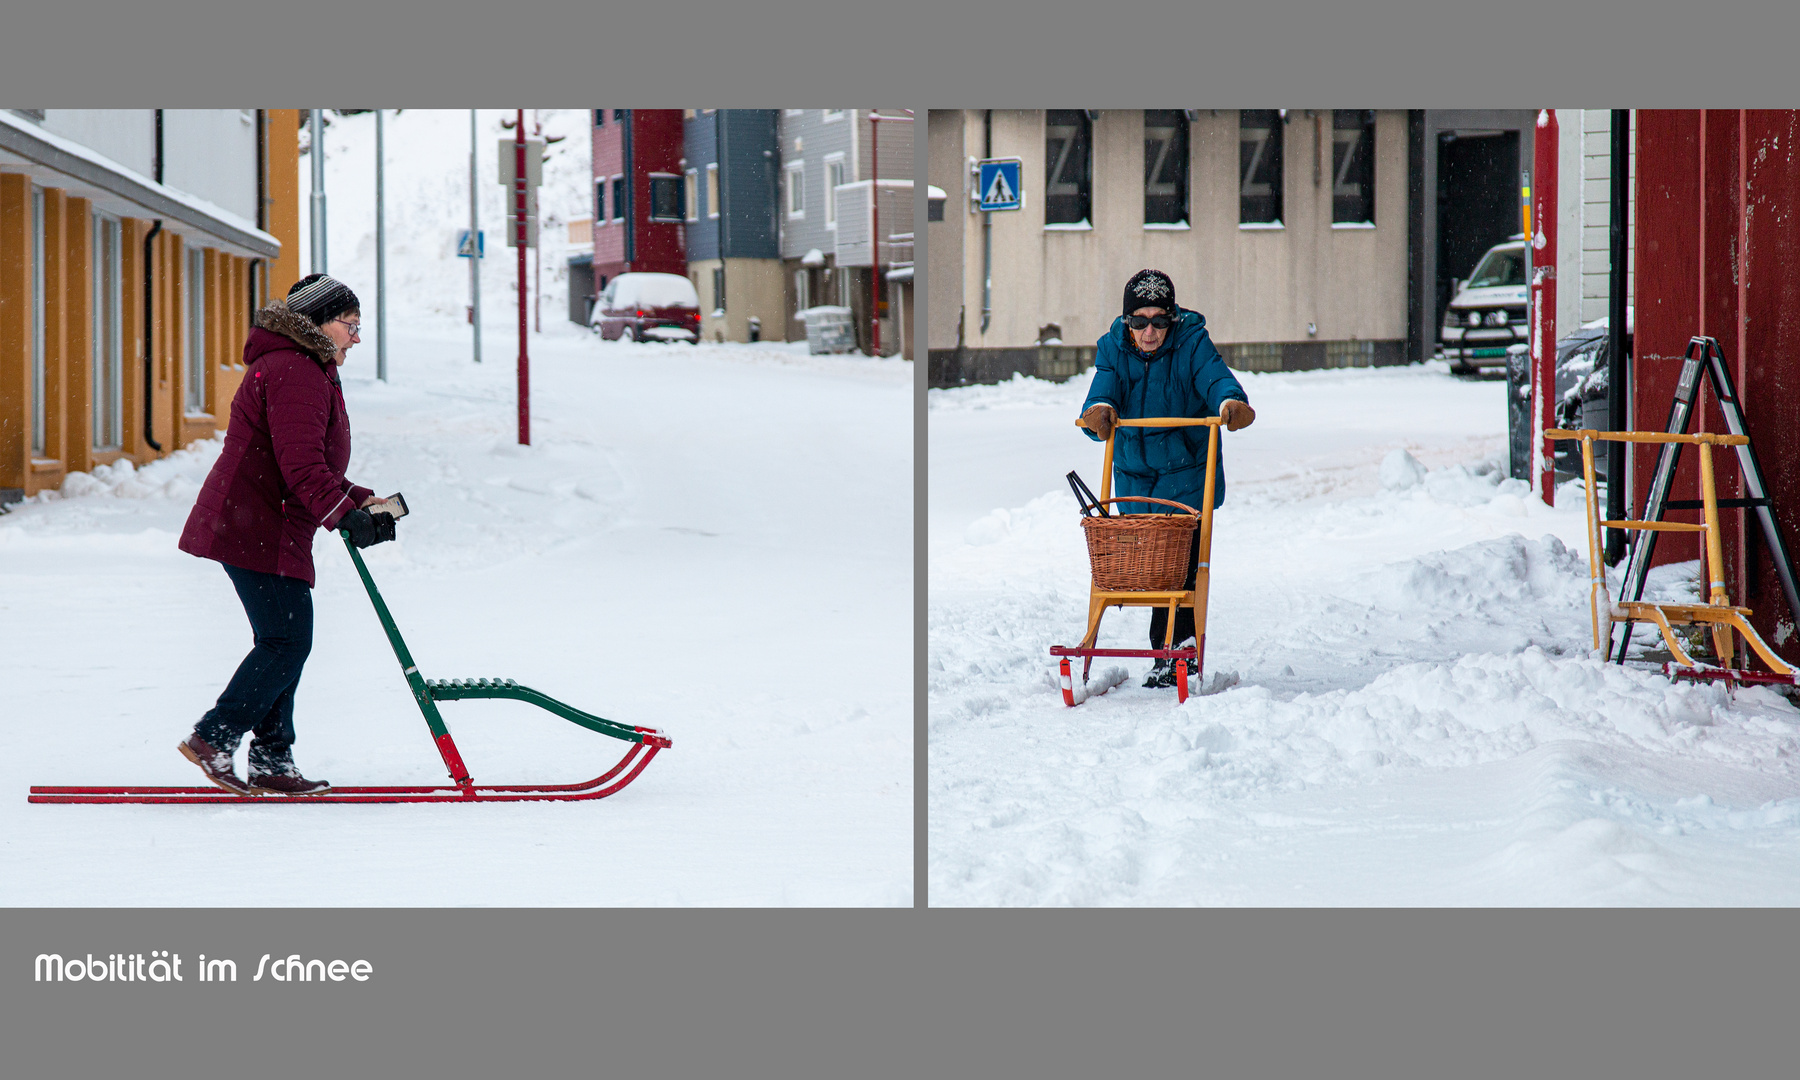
point(1164, 421)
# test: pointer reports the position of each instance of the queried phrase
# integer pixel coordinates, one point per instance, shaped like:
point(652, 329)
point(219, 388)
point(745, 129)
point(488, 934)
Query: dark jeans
point(1184, 617)
point(260, 696)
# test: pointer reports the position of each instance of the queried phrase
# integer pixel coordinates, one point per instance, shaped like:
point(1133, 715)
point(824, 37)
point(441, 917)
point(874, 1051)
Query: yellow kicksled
point(1141, 560)
point(1717, 612)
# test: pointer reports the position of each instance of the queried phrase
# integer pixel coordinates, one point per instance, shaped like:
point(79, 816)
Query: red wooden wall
point(1718, 250)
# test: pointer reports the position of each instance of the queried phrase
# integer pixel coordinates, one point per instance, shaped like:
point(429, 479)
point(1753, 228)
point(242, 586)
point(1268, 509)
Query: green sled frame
point(645, 742)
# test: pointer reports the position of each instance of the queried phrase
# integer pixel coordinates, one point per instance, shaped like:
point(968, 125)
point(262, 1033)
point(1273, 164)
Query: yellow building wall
point(15, 330)
point(225, 281)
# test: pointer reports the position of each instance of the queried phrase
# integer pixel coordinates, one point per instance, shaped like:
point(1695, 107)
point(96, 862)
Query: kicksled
point(645, 744)
point(1141, 560)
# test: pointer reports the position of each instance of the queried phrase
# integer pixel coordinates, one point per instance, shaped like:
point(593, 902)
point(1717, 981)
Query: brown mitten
point(1237, 414)
point(1100, 419)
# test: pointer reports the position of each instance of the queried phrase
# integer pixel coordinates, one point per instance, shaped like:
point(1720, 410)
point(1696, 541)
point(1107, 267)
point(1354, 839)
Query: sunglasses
point(1138, 322)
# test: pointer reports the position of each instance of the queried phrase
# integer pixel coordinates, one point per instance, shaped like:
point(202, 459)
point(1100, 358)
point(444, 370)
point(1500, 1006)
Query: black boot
point(1162, 675)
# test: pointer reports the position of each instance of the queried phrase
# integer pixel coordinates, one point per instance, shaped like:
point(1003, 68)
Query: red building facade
point(637, 163)
point(1718, 243)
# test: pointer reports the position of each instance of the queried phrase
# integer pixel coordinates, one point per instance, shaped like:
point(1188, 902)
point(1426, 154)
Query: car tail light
point(640, 312)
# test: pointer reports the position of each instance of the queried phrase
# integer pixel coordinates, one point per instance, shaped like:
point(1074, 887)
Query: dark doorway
point(1478, 182)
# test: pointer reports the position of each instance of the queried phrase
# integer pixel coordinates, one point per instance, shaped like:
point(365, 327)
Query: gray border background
point(909, 993)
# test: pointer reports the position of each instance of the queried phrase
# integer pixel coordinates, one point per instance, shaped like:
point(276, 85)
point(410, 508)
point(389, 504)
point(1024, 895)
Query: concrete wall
point(752, 287)
point(948, 239)
point(1254, 285)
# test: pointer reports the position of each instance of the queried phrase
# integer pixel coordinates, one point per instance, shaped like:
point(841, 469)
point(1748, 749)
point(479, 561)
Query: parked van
point(648, 307)
point(1487, 313)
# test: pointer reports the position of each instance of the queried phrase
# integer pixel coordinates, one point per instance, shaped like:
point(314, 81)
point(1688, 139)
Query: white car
point(1487, 314)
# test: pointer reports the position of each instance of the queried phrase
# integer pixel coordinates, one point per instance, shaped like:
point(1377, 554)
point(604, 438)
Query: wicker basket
point(1141, 552)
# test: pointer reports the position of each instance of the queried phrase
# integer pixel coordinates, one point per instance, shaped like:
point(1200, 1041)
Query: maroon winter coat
point(281, 474)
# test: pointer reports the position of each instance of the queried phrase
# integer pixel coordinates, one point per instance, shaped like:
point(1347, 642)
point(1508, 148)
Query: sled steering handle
point(1164, 421)
point(1212, 448)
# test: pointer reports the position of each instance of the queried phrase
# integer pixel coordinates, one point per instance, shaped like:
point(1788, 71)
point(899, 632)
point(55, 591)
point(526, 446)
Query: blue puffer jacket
point(1186, 377)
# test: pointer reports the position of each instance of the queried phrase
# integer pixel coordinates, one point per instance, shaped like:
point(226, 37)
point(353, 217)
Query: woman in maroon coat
point(278, 480)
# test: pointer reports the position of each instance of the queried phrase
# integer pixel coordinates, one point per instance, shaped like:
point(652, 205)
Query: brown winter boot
point(215, 763)
point(284, 779)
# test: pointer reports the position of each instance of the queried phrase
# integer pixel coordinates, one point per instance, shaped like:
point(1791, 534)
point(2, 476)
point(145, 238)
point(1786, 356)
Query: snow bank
point(1417, 718)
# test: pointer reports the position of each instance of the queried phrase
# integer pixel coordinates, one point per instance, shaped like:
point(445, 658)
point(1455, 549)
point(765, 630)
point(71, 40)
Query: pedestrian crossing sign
point(1000, 184)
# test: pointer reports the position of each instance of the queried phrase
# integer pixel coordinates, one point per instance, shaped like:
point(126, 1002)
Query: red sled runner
point(646, 743)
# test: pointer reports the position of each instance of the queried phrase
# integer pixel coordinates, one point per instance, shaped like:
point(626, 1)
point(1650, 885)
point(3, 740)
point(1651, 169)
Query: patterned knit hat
point(1149, 288)
point(321, 298)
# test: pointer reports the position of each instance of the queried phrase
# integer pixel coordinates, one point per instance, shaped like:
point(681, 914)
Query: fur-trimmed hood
point(280, 319)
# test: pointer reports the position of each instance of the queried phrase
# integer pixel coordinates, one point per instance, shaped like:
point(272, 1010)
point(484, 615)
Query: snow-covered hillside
point(1415, 718)
point(712, 540)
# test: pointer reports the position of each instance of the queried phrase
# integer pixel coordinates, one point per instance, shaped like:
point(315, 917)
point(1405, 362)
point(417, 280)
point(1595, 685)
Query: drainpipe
point(987, 229)
point(149, 307)
point(1617, 373)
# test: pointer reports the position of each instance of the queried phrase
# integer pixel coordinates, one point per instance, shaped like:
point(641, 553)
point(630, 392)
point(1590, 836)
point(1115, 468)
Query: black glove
point(366, 529)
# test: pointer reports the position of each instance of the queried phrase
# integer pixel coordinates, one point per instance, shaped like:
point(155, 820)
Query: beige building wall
point(1253, 284)
point(947, 240)
point(752, 287)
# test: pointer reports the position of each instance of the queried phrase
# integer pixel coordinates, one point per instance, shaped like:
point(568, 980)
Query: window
point(1165, 167)
point(802, 290)
point(691, 192)
point(796, 189)
point(792, 112)
point(109, 358)
point(718, 290)
point(689, 114)
point(618, 198)
point(934, 209)
point(194, 284)
point(1353, 166)
point(665, 197)
point(599, 117)
point(834, 175)
point(600, 201)
point(38, 422)
point(1259, 166)
point(618, 116)
point(712, 190)
point(832, 114)
point(1068, 189)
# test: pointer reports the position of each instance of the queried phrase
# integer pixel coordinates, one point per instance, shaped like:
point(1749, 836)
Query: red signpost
point(875, 119)
point(519, 224)
point(1543, 299)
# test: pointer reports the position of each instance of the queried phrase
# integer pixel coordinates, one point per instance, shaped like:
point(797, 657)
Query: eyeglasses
point(1138, 322)
point(355, 328)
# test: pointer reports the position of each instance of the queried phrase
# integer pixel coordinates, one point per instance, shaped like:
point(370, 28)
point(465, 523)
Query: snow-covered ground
point(1415, 720)
point(674, 550)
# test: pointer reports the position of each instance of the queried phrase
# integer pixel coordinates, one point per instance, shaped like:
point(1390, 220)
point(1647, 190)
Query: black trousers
point(260, 696)
point(1184, 617)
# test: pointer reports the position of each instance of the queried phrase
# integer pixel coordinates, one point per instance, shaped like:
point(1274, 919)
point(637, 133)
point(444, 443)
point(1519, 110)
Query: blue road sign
point(463, 250)
point(1000, 184)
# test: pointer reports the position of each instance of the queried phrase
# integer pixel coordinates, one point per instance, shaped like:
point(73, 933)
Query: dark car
point(648, 307)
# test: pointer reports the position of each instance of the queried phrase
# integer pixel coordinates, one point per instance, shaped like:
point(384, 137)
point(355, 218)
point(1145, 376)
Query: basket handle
point(1148, 499)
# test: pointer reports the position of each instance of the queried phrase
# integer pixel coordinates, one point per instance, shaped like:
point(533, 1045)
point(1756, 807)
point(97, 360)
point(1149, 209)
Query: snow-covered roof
point(813, 257)
point(27, 141)
point(932, 191)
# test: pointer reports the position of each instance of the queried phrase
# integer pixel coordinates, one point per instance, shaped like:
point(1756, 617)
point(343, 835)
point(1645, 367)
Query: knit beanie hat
point(321, 298)
point(1149, 288)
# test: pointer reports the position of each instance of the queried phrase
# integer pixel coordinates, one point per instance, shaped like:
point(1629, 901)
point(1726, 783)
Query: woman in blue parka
point(1158, 360)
